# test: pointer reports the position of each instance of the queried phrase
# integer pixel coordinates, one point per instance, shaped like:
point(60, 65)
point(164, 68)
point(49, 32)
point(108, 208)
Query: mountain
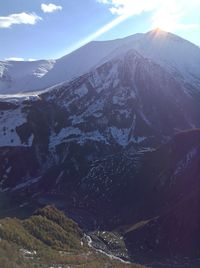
point(116, 148)
point(128, 102)
point(178, 56)
point(16, 77)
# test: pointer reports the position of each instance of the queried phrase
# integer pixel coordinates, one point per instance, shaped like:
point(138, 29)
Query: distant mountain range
point(112, 138)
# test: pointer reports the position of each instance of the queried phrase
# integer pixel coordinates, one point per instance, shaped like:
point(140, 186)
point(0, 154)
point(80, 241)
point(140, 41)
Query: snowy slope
point(83, 60)
point(9, 121)
point(32, 76)
point(22, 76)
point(176, 55)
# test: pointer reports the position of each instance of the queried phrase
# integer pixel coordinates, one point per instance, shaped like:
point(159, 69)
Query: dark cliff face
point(172, 226)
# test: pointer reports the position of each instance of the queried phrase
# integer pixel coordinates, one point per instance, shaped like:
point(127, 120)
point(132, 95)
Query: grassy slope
point(48, 239)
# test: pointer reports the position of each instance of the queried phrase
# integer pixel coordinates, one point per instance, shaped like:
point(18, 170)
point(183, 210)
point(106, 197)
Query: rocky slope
point(129, 102)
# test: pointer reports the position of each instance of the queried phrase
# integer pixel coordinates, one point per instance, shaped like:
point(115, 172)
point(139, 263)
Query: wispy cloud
point(49, 8)
point(14, 59)
point(19, 18)
point(165, 14)
point(19, 59)
point(32, 59)
point(121, 7)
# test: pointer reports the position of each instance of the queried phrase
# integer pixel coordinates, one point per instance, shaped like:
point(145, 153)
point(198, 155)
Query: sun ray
point(101, 31)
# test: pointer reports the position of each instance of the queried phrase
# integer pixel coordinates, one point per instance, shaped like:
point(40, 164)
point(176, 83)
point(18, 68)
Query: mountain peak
point(160, 33)
point(157, 31)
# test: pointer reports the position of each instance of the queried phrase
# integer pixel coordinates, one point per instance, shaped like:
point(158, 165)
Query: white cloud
point(49, 8)
point(14, 59)
point(19, 18)
point(18, 59)
point(165, 14)
point(32, 59)
point(121, 7)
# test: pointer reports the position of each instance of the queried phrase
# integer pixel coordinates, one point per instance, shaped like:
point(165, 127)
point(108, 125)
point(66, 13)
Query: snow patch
point(25, 184)
point(79, 136)
point(121, 136)
point(95, 109)
point(9, 121)
point(81, 91)
point(185, 161)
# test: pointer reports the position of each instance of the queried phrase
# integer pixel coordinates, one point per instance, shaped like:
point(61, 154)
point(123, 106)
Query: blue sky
point(43, 29)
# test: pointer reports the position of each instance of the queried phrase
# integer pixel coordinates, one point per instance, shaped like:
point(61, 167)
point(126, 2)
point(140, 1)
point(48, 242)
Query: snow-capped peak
point(177, 55)
point(172, 52)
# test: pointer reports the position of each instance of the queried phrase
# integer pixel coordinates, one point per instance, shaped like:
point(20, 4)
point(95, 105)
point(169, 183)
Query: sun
point(164, 21)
